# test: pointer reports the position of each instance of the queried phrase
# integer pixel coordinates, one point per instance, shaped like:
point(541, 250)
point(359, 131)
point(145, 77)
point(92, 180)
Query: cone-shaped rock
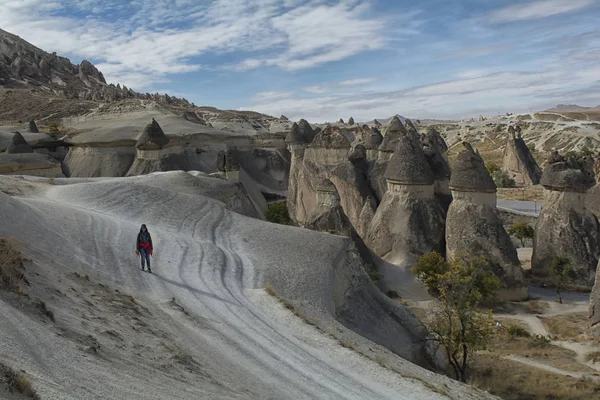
point(351, 121)
point(567, 174)
point(153, 137)
point(394, 130)
point(470, 174)
point(306, 130)
point(377, 123)
point(408, 165)
point(32, 128)
point(19, 145)
point(373, 138)
point(518, 160)
point(331, 138)
point(295, 136)
point(565, 226)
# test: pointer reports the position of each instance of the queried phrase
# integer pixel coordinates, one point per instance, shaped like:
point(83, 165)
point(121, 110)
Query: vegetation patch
point(12, 277)
point(278, 213)
point(17, 381)
point(568, 326)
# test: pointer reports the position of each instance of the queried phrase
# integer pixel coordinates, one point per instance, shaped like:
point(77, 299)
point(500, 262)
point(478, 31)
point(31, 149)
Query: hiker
point(143, 247)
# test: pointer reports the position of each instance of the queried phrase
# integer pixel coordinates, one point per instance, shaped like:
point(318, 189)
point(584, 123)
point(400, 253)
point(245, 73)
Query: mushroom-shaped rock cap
point(567, 174)
point(433, 139)
point(331, 138)
point(306, 130)
point(295, 136)
point(153, 137)
point(408, 165)
point(470, 174)
point(395, 126)
point(19, 145)
point(394, 130)
point(357, 153)
point(32, 127)
point(373, 138)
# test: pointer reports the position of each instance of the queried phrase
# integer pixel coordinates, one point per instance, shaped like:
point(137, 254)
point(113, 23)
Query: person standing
point(143, 247)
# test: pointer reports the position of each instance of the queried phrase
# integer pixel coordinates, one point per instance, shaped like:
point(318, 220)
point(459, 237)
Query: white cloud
point(357, 81)
point(329, 87)
point(488, 94)
point(538, 9)
point(265, 97)
point(144, 40)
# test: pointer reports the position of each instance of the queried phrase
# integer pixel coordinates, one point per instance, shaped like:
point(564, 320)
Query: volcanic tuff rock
point(153, 137)
point(565, 227)
point(473, 227)
point(518, 160)
point(32, 127)
point(19, 145)
point(409, 222)
point(351, 121)
point(373, 139)
point(331, 138)
point(391, 134)
point(436, 153)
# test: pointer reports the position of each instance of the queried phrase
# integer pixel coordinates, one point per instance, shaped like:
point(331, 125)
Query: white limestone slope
point(214, 262)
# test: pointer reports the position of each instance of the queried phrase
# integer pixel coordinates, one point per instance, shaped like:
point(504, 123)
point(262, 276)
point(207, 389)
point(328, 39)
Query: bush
point(502, 179)
point(562, 273)
point(517, 332)
point(278, 213)
point(11, 264)
point(54, 127)
point(492, 167)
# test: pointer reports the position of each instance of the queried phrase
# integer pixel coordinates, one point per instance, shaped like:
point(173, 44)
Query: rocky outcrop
point(34, 164)
point(153, 137)
point(391, 134)
point(518, 160)
point(351, 121)
point(592, 203)
point(474, 228)
point(565, 226)
point(32, 127)
point(19, 145)
point(409, 222)
point(330, 157)
point(436, 153)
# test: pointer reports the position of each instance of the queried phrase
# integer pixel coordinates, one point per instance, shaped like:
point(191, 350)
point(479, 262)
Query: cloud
point(329, 87)
point(538, 9)
point(265, 97)
point(155, 38)
point(469, 96)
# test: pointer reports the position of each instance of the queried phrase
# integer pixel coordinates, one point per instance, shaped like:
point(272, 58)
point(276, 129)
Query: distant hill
point(385, 121)
point(571, 108)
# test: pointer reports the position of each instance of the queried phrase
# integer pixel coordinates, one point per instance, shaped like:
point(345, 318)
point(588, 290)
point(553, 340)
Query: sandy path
point(244, 346)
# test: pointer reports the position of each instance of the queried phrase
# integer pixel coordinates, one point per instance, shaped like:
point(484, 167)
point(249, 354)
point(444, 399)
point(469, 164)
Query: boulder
point(32, 127)
point(518, 160)
point(565, 226)
point(474, 228)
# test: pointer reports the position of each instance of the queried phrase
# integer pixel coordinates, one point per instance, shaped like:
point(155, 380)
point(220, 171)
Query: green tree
point(492, 167)
point(455, 321)
point(278, 213)
point(521, 230)
point(502, 179)
point(561, 273)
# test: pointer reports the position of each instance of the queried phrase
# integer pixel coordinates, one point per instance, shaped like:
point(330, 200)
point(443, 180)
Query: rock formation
point(592, 203)
point(565, 227)
point(153, 137)
point(296, 143)
point(518, 160)
point(473, 227)
point(19, 145)
point(376, 123)
point(341, 121)
point(392, 133)
point(351, 121)
point(32, 127)
point(409, 222)
point(436, 153)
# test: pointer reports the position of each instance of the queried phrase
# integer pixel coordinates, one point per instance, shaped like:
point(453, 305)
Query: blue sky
point(328, 59)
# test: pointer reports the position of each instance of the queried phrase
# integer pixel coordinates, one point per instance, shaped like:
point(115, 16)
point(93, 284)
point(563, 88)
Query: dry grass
point(569, 326)
point(593, 357)
point(11, 267)
point(528, 193)
point(512, 380)
point(17, 381)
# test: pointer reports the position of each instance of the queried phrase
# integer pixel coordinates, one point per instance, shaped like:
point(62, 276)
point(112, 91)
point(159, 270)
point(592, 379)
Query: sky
point(328, 59)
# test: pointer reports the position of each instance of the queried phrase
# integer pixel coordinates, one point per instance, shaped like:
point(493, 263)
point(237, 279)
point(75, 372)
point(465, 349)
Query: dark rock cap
point(434, 148)
point(306, 130)
point(32, 127)
point(408, 165)
point(569, 174)
point(331, 138)
point(373, 139)
point(470, 174)
point(153, 137)
point(357, 153)
point(432, 138)
point(394, 130)
point(351, 121)
point(295, 136)
point(18, 145)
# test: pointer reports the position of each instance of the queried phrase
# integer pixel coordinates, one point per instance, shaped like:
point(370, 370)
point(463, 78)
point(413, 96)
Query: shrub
point(515, 331)
point(11, 264)
point(492, 167)
point(372, 272)
point(502, 179)
point(54, 127)
point(278, 213)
